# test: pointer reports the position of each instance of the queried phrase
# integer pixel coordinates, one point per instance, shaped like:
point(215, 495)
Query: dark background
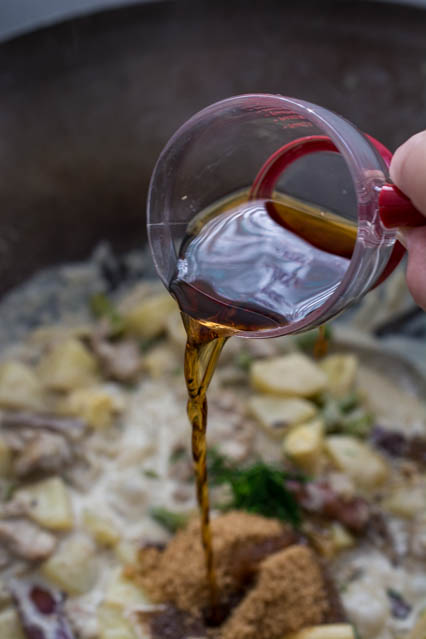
point(86, 106)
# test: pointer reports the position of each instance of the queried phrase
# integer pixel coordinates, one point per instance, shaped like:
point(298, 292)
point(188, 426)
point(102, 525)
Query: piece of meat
point(41, 610)
point(121, 360)
point(396, 444)
point(171, 623)
point(71, 428)
point(45, 452)
point(318, 497)
point(400, 609)
point(26, 540)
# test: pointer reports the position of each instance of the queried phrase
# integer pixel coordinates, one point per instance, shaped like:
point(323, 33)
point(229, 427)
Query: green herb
point(244, 360)
point(170, 520)
point(259, 488)
point(306, 342)
point(348, 402)
point(150, 473)
point(218, 468)
point(101, 306)
point(345, 416)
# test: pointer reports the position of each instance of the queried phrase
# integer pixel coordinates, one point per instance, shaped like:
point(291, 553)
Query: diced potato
point(342, 539)
point(341, 372)
point(113, 625)
point(94, 405)
point(406, 501)
point(20, 387)
point(5, 458)
point(123, 593)
point(304, 445)
point(102, 529)
point(419, 630)
point(327, 631)
point(48, 503)
point(160, 360)
point(293, 374)
point(127, 552)
point(149, 317)
point(357, 459)
point(68, 365)
point(276, 414)
point(73, 567)
point(10, 626)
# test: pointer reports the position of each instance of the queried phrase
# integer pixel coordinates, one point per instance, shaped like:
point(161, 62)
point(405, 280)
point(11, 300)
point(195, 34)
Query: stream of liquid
point(249, 265)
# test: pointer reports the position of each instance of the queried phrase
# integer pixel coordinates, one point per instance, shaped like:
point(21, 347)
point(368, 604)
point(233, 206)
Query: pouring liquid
point(248, 265)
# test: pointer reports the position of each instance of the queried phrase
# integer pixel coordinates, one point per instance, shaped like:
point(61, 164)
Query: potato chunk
point(123, 593)
point(293, 374)
point(276, 414)
point(161, 360)
point(149, 317)
point(10, 626)
point(304, 445)
point(93, 405)
point(113, 625)
point(341, 372)
point(406, 501)
point(127, 552)
point(360, 462)
point(73, 567)
point(20, 387)
point(326, 631)
point(102, 529)
point(48, 503)
point(67, 365)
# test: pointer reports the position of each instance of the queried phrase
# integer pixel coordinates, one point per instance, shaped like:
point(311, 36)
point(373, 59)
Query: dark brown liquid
point(202, 351)
point(210, 318)
point(261, 264)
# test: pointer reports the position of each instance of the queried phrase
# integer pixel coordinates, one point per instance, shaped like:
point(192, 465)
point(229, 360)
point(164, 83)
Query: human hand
point(408, 172)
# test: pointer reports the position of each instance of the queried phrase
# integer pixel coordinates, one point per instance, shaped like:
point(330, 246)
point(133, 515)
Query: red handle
point(395, 208)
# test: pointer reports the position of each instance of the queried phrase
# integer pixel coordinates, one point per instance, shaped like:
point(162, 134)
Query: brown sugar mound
point(289, 594)
point(241, 541)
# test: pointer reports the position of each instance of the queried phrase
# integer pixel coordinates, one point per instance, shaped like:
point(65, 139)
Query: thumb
point(408, 169)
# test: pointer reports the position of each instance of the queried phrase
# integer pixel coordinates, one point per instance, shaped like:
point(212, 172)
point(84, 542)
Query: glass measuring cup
point(262, 144)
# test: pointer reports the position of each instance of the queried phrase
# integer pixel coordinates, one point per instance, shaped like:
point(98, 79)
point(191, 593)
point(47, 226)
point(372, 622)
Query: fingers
point(416, 269)
point(408, 172)
point(408, 169)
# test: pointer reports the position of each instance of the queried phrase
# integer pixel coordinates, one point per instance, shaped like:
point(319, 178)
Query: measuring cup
point(262, 143)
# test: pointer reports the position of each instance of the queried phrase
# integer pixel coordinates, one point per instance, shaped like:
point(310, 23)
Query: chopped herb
point(150, 473)
point(307, 341)
point(259, 488)
point(348, 402)
point(346, 417)
point(170, 520)
point(101, 306)
point(244, 360)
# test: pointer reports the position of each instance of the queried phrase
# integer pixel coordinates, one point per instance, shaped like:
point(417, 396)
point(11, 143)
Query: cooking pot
point(87, 105)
